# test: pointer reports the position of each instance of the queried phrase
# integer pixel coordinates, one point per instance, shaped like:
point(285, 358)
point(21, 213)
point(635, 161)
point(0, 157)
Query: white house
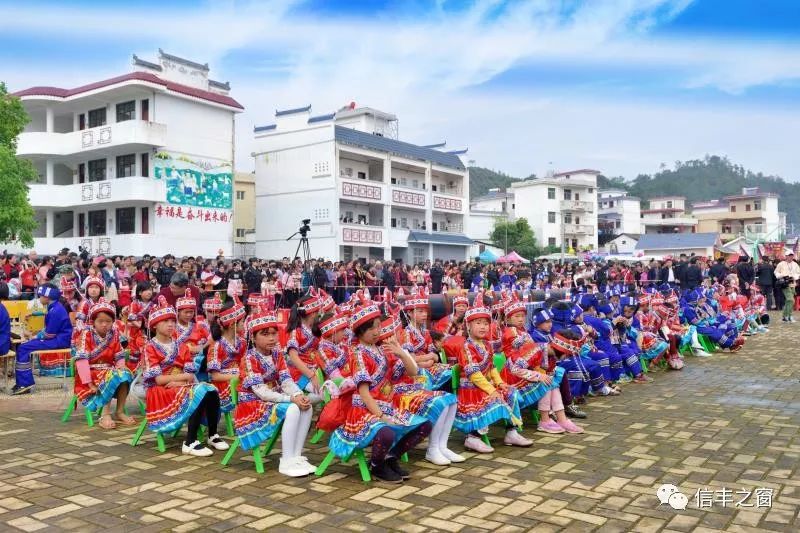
point(622, 244)
point(667, 214)
point(140, 163)
point(368, 194)
point(618, 213)
point(661, 244)
point(560, 207)
point(484, 212)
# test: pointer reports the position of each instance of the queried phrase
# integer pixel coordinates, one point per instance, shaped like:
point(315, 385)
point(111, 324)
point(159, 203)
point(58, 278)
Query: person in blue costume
point(5, 322)
point(610, 362)
point(56, 335)
point(696, 314)
point(541, 334)
point(582, 372)
point(596, 313)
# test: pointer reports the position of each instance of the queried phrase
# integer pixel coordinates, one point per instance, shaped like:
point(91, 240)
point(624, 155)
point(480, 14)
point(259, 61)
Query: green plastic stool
point(258, 453)
point(361, 460)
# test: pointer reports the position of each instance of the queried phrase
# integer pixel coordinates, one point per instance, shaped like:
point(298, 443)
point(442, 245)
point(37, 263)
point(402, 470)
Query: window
point(513, 206)
point(551, 193)
point(97, 223)
point(434, 188)
point(591, 190)
point(415, 184)
point(240, 232)
point(403, 222)
point(362, 175)
point(126, 220)
point(418, 254)
point(551, 241)
point(145, 218)
point(551, 217)
point(145, 165)
point(240, 195)
point(126, 111)
point(577, 197)
point(394, 222)
point(126, 166)
point(82, 121)
point(393, 181)
point(617, 225)
point(97, 117)
point(81, 172)
point(347, 253)
point(97, 170)
point(568, 218)
point(567, 194)
point(747, 207)
point(145, 109)
point(669, 204)
point(403, 182)
point(319, 214)
point(733, 209)
point(81, 224)
point(757, 205)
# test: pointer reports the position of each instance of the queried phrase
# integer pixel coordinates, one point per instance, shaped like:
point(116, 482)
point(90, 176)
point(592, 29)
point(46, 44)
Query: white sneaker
point(196, 449)
point(303, 461)
point(217, 443)
point(452, 456)
point(435, 456)
point(292, 467)
point(513, 438)
point(699, 352)
point(477, 445)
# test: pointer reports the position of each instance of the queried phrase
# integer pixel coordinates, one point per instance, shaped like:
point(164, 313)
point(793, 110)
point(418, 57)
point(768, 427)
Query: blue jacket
point(5, 330)
point(57, 325)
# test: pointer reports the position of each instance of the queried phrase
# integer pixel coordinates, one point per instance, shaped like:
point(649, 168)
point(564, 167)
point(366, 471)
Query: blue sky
point(618, 85)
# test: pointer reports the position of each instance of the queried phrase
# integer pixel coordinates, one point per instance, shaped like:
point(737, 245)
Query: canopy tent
point(513, 257)
point(488, 256)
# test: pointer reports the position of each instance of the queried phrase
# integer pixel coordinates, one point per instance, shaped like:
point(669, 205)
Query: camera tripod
point(302, 244)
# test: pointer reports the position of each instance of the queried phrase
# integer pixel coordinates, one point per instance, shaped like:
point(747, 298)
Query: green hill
point(482, 179)
point(698, 180)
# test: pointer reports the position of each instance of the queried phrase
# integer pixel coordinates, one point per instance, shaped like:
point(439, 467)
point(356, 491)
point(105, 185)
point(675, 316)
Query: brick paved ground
point(728, 421)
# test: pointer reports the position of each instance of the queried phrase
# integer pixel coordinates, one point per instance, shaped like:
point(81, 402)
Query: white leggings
point(551, 401)
point(441, 429)
point(295, 430)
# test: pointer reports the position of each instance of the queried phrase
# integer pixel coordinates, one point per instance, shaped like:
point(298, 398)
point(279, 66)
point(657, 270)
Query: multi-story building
point(140, 163)
point(752, 214)
point(367, 194)
point(484, 212)
point(667, 214)
point(562, 207)
point(244, 215)
point(617, 213)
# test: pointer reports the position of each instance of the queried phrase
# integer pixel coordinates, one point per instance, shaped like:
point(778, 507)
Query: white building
point(140, 163)
point(561, 207)
point(368, 194)
point(618, 214)
point(484, 212)
point(667, 214)
point(622, 244)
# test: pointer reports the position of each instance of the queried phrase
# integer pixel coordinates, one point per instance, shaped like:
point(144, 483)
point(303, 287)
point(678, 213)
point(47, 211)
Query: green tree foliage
point(17, 220)
point(518, 234)
point(482, 179)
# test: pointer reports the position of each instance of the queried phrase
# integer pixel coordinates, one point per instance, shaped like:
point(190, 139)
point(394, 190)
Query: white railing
point(578, 229)
point(577, 205)
point(362, 190)
point(101, 137)
point(133, 189)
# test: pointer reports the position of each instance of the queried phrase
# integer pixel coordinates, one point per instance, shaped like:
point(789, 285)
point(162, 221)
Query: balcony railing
point(358, 235)
point(414, 198)
point(449, 227)
point(133, 189)
point(578, 229)
point(102, 137)
point(363, 190)
point(577, 205)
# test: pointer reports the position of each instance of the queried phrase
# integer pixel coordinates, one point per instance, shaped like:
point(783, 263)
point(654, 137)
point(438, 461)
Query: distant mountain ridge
point(698, 180)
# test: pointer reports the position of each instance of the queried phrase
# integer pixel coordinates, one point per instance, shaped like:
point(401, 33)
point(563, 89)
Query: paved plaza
point(723, 425)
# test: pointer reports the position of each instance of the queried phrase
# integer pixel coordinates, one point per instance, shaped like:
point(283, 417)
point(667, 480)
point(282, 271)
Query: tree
point(518, 234)
point(17, 220)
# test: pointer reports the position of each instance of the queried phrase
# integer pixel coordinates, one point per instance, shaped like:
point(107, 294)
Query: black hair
point(144, 286)
point(216, 327)
point(3, 291)
point(363, 327)
point(436, 336)
point(296, 314)
point(319, 320)
point(569, 334)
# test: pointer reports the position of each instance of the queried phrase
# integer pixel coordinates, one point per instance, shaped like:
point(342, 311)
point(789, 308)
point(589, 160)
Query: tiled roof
point(219, 85)
point(400, 148)
point(437, 145)
point(581, 171)
point(321, 118)
point(141, 62)
point(148, 77)
point(284, 112)
point(439, 238)
point(458, 152)
point(193, 64)
point(676, 241)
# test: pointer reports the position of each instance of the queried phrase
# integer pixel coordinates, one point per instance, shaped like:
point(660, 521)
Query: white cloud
point(423, 69)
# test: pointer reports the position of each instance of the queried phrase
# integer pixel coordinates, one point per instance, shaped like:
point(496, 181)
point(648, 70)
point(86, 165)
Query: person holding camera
point(787, 273)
